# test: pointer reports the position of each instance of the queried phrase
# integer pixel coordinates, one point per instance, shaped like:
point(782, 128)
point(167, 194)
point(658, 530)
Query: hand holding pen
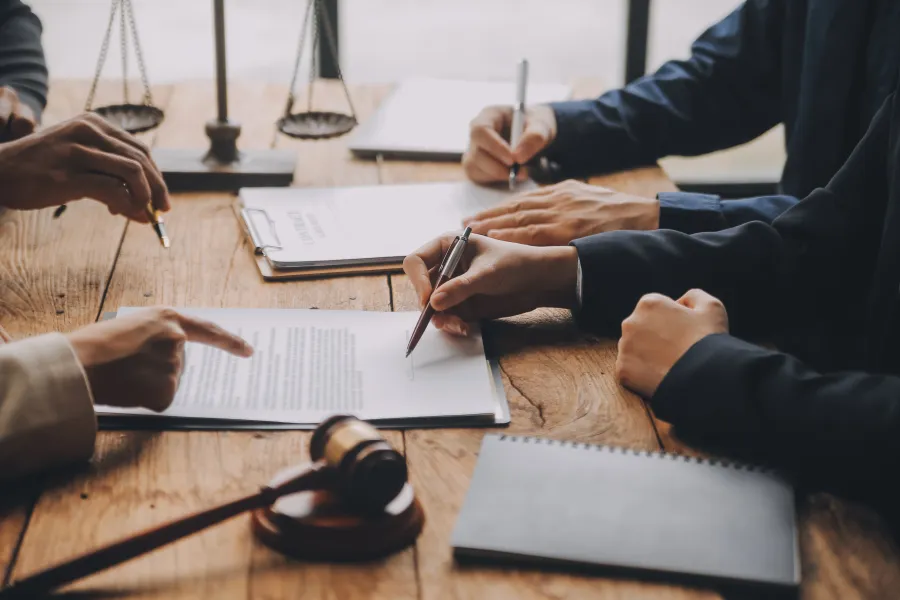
point(84, 157)
point(490, 158)
point(492, 279)
point(445, 271)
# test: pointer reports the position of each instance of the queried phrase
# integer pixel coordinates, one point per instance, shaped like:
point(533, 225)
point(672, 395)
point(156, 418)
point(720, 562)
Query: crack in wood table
point(62, 274)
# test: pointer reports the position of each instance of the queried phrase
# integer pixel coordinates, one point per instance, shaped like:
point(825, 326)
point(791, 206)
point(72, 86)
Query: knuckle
point(650, 301)
point(134, 168)
point(166, 313)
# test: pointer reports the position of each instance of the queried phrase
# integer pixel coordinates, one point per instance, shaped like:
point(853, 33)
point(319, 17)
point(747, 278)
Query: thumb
point(461, 288)
point(535, 138)
point(697, 299)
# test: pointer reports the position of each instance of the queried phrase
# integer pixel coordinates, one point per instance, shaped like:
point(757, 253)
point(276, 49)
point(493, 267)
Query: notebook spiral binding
point(714, 462)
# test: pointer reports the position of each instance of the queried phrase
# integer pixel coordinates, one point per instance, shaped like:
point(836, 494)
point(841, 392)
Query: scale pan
point(316, 125)
point(133, 118)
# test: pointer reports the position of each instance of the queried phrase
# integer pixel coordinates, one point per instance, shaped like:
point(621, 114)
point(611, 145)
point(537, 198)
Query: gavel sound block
point(352, 503)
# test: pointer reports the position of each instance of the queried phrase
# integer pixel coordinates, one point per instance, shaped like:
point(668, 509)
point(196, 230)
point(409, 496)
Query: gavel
point(350, 458)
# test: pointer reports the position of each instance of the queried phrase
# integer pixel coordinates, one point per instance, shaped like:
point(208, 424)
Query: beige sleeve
point(46, 409)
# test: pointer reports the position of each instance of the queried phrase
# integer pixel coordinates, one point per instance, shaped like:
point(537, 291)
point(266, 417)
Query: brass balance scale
point(224, 167)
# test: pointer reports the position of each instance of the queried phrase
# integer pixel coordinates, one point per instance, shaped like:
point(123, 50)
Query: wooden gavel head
point(369, 473)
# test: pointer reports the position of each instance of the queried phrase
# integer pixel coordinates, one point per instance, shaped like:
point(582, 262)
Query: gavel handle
point(151, 539)
point(128, 548)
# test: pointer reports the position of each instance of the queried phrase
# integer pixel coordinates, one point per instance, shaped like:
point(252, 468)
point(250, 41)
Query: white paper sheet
point(367, 224)
point(431, 116)
point(311, 364)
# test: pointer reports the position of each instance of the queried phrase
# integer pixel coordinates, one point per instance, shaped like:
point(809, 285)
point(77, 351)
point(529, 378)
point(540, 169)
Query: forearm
point(838, 431)
point(46, 409)
point(726, 93)
point(695, 213)
point(22, 63)
point(740, 266)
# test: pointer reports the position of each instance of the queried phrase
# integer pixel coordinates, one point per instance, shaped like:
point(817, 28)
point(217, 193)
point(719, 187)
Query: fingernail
point(438, 299)
point(463, 329)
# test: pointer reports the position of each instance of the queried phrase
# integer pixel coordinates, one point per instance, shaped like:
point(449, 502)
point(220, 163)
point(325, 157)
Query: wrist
point(560, 276)
point(646, 218)
point(83, 347)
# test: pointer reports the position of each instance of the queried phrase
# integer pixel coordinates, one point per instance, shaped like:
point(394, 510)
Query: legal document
point(310, 364)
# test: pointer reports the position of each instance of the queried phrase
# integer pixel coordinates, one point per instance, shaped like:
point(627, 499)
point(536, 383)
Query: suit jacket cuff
point(690, 213)
point(46, 408)
point(34, 102)
point(694, 394)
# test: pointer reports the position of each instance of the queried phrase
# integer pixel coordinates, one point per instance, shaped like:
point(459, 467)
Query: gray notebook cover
point(537, 500)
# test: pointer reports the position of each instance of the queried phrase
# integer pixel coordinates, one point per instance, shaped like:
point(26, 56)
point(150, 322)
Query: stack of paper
point(311, 364)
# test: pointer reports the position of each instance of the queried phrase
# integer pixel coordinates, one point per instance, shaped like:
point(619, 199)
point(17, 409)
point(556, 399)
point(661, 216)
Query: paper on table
point(310, 364)
point(430, 117)
point(361, 225)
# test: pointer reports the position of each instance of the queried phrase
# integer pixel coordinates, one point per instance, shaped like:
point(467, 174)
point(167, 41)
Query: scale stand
point(223, 167)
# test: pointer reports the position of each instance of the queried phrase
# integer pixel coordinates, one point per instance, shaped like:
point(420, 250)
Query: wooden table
point(59, 275)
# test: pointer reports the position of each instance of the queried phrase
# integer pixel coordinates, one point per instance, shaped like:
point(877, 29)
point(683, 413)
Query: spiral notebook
point(558, 503)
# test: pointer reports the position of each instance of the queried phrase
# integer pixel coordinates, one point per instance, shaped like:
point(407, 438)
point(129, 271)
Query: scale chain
point(123, 35)
point(104, 48)
point(290, 101)
point(148, 99)
point(124, 6)
point(329, 35)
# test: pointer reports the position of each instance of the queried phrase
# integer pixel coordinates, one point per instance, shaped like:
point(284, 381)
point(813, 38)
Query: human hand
point(84, 157)
point(16, 118)
point(494, 279)
point(489, 156)
point(557, 214)
point(660, 331)
point(136, 361)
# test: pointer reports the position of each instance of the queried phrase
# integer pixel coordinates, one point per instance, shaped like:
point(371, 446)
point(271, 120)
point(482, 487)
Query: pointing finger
point(205, 332)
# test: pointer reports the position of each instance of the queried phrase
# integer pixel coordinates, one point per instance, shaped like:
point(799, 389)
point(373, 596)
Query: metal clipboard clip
point(256, 219)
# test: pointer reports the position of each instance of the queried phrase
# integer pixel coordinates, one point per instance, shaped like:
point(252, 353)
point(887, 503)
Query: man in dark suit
point(828, 271)
point(821, 67)
point(23, 71)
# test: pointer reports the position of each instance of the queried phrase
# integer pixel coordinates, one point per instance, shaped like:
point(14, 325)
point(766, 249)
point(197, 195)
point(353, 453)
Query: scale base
point(191, 170)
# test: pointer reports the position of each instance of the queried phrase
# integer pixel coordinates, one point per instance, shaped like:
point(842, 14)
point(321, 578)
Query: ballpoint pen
point(518, 116)
point(445, 272)
point(159, 226)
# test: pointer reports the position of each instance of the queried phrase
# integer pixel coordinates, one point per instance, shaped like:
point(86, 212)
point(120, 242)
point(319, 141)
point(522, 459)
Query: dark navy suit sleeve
point(22, 64)
point(840, 431)
point(818, 258)
point(726, 93)
point(693, 213)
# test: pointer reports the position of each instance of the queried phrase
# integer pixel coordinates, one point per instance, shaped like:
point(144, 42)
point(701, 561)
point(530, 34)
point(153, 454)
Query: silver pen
point(518, 116)
point(445, 272)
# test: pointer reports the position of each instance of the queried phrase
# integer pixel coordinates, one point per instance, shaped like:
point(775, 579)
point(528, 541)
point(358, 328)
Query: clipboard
point(257, 227)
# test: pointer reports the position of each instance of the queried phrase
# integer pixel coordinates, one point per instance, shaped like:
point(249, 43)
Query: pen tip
point(408, 353)
point(165, 241)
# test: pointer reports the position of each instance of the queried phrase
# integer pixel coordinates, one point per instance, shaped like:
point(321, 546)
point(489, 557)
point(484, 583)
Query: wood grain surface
point(560, 383)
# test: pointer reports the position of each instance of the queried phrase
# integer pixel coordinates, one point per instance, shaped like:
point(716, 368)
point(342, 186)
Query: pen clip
point(448, 254)
point(251, 218)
